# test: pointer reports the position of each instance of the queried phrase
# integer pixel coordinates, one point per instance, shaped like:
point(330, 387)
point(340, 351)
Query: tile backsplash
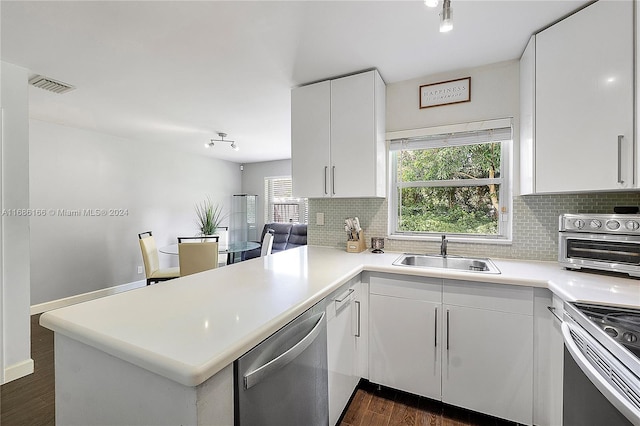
point(535, 224)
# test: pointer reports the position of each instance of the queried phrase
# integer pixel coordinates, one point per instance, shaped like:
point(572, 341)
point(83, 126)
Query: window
point(280, 206)
point(453, 183)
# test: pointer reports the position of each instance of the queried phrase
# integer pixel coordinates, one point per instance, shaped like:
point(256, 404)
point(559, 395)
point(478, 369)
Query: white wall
point(253, 181)
point(495, 93)
point(15, 343)
point(77, 169)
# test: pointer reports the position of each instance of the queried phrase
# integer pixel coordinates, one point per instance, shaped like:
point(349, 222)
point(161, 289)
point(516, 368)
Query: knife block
point(357, 246)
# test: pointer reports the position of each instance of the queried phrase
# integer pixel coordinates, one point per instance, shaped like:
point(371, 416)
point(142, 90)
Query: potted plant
point(209, 217)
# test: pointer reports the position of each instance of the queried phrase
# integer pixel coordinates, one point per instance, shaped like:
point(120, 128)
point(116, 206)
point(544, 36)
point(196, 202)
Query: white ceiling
point(178, 72)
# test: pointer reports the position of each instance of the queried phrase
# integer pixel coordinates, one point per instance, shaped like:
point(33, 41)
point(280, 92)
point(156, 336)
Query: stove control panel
point(601, 223)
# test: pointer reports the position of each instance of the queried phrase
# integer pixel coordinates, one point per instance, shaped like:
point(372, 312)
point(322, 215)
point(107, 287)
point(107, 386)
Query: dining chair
point(197, 254)
point(223, 244)
point(267, 243)
point(151, 263)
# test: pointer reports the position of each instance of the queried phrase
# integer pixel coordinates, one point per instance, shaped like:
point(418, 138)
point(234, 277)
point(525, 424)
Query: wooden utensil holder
point(356, 246)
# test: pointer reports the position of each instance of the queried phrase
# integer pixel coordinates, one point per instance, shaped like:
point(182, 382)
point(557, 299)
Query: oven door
point(617, 253)
point(597, 388)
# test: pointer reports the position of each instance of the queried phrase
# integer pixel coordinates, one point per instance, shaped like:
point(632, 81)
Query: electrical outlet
point(320, 219)
point(139, 269)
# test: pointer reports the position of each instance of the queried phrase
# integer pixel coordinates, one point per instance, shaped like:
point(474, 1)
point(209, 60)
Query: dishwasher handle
point(254, 377)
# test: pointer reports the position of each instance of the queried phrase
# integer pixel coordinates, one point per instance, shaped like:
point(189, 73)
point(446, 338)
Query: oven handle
point(617, 399)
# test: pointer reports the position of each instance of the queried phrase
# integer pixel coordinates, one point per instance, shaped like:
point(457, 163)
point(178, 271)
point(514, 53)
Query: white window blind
point(280, 205)
point(452, 139)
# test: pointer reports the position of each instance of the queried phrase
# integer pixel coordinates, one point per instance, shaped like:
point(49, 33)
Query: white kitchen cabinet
point(584, 103)
point(487, 361)
point(337, 137)
point(361, 325)
point(527, 118)
point(469, 344)
point(343, 332)
point(404, 333)
point(547, 358)
point(311, 139)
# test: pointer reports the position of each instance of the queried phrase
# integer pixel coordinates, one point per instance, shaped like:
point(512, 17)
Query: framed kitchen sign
point(445, 93)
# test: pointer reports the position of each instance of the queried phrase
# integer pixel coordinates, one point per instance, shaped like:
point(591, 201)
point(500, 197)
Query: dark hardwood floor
point(371, 406)
point(30, 401)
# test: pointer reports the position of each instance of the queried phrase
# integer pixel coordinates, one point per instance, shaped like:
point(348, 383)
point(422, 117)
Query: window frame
point(303, 203)
point(505, 219)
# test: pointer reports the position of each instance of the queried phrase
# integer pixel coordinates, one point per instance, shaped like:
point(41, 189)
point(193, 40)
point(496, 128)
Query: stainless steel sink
point(448, 262)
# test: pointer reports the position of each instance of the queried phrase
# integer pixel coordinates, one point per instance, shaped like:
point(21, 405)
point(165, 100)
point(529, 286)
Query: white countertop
point(190, 328)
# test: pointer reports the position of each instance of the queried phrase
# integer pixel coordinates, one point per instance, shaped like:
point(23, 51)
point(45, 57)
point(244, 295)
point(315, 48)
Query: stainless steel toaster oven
point(608, 242)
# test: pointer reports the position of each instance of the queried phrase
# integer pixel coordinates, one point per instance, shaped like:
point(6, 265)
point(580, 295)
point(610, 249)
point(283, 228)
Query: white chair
point(151, 263)
point(267, 244)
point(198, 255)
point(223, 244)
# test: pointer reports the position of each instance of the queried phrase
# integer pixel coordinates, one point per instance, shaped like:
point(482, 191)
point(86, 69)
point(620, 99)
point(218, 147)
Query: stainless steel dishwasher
point(283, 380)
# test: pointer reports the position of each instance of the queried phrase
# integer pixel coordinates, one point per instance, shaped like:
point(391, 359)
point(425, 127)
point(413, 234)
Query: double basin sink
point(457, 263)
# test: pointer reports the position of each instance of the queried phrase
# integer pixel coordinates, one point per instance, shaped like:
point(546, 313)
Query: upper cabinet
point(337, 137)
point(577, 103)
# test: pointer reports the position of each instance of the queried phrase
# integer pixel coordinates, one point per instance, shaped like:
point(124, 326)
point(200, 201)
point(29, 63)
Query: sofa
point(285, 236)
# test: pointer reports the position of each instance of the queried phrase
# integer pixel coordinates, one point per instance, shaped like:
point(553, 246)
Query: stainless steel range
point(609, 242)
point(601, 364)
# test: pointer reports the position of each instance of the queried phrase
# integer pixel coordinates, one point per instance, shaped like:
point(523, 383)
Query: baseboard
point(72, 300)
point(16, 371)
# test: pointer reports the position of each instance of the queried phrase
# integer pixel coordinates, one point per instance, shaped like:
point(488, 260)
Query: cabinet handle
point(339, 302)
point(325, 180)
point(552, 309)
point(447, 329)
point(333, 180)
point(620, 137)
point(358, 317)
point(344, 296)
point(435, 329)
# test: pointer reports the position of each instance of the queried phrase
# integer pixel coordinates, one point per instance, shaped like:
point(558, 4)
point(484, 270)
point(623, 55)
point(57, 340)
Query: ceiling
point(178, 72)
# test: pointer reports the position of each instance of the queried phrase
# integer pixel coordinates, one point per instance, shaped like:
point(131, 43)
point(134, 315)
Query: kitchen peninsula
point(163, 354)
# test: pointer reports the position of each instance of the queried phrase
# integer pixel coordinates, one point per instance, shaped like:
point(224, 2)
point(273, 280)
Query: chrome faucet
point(443, 246)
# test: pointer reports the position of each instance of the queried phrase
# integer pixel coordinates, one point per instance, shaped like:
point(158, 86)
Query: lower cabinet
point(487, 366)
point(344, 342)
point(469, 344)
point(548, 358)
point(405, 339)
point(488, 355)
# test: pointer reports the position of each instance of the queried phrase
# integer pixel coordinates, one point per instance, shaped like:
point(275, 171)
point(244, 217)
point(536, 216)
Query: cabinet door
point(527, 118)
point(355, 143)
point(584, 100)
point(311, 139)
point(487, 362)
point(360, 326)
point(341, 355)
point(404, 344)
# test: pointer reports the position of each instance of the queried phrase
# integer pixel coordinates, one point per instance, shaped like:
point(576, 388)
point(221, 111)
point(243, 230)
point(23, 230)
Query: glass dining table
point(230, 249)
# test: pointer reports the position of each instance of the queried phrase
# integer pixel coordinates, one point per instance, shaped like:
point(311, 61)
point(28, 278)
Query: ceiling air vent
point(50, 84)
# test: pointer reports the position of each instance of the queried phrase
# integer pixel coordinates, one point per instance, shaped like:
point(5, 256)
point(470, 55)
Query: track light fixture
point(222, 136)
point(446, 16)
